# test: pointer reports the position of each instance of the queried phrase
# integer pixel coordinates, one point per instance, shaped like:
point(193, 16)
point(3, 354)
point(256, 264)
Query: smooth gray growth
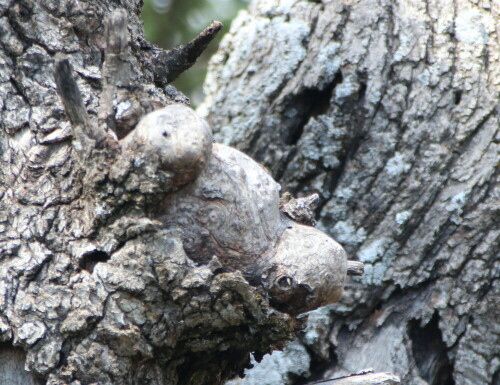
point(179, 138)
point(231, 211)
point(389, 110)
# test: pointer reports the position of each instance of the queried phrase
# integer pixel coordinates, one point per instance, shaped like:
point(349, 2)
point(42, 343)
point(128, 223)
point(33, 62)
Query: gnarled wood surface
point(93, 288)
point(389, 110)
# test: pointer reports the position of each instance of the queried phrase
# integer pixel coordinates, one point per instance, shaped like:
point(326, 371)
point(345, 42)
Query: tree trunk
point(94, 288)
point(389, 110)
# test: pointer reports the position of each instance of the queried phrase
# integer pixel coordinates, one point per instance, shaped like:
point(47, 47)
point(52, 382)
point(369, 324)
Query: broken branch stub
point(84, 137)
point(355, 268)
point(70, 94)
point(169, 65)
point(300, 209)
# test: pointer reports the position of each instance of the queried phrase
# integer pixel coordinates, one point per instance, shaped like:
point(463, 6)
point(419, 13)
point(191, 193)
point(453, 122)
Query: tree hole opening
point(89, 260)
point(310, 103)
point(430, 352)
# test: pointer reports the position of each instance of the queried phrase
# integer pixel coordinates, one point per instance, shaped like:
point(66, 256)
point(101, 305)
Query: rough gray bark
point(93, 288)
point(389, 110)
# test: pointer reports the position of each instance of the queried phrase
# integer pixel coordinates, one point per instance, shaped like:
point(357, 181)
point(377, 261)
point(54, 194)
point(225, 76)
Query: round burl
point(178, 137)
point(231, 211)
point(306, 271)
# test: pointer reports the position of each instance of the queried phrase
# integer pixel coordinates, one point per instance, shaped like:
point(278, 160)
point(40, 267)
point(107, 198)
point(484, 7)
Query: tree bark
point(94, 288)
point(389, 110)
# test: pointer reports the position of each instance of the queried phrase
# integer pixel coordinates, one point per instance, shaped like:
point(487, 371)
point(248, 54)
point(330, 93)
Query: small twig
point(169, 65)
point(116, 67)
point(365, 377)
point(360, 373)
point(355, 268)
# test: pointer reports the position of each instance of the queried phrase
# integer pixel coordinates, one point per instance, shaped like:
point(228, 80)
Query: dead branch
point(169, 65)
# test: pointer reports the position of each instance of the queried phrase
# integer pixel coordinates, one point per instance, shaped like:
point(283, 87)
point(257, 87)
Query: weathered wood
point(301, 210)
point(364, 379)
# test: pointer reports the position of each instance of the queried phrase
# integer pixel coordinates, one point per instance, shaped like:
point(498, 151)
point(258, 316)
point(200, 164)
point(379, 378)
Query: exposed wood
point(365, 379)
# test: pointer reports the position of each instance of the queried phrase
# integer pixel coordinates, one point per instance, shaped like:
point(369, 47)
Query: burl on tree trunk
point(134, 250)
